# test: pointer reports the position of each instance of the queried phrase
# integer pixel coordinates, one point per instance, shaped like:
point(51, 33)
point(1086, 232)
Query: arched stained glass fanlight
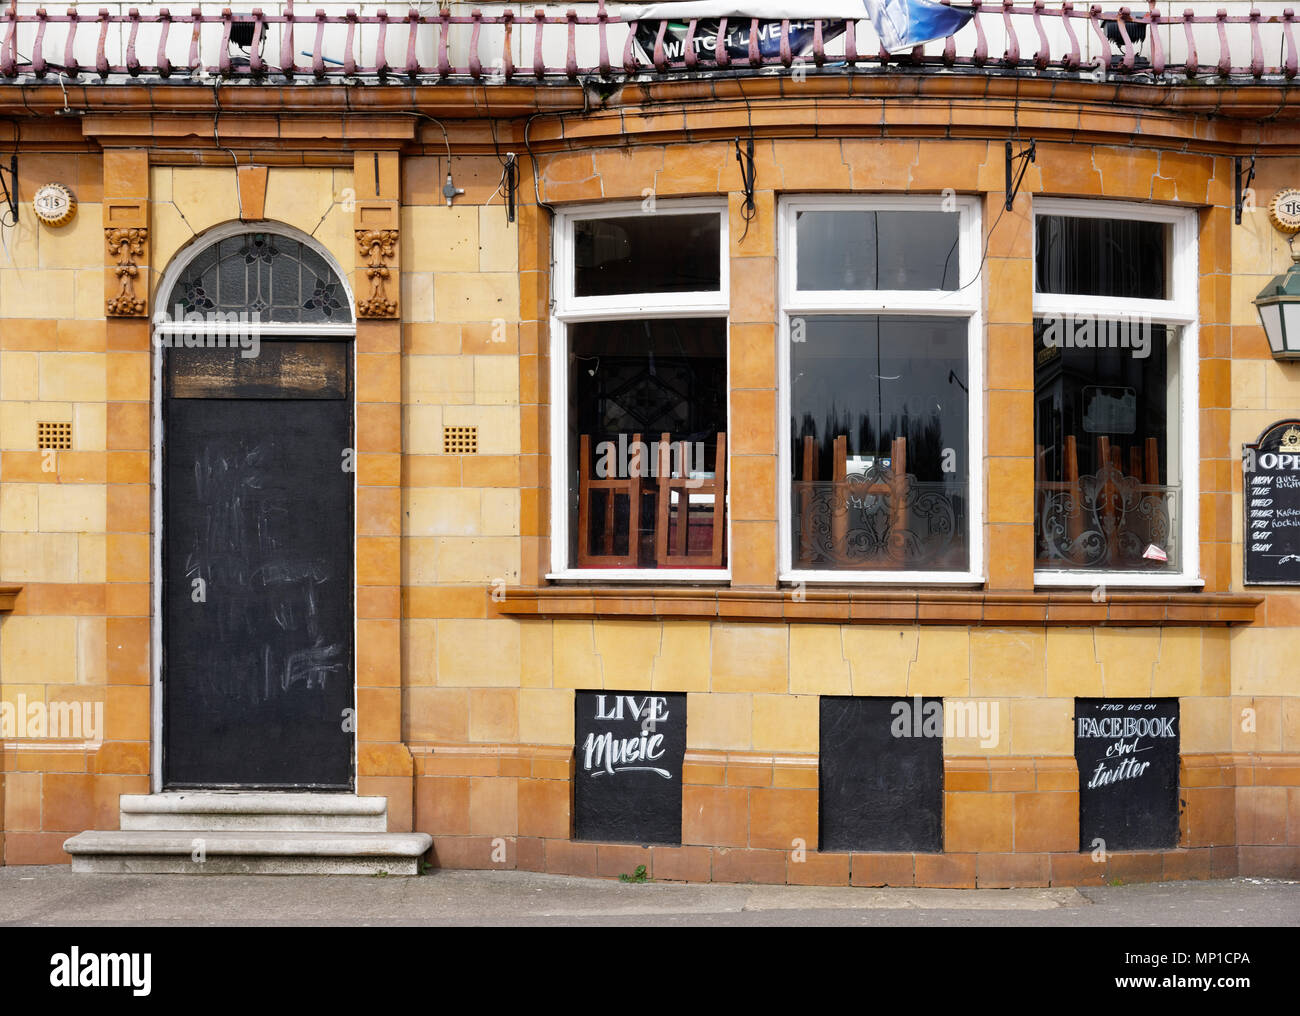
point(276, 277)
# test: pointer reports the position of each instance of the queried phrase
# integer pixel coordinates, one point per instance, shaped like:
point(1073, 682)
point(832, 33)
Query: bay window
point(639, 375)
point(1114, 393)
point(880, 353)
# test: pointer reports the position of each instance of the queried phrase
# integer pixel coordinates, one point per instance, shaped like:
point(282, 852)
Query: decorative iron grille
point(875, 520)
point(1107, 521)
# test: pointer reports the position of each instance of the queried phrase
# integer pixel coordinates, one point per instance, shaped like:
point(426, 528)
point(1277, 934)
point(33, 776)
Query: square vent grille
point(54, 435)
point(460, 440)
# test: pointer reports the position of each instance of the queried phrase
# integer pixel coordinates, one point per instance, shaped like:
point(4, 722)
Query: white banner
point(901, 24)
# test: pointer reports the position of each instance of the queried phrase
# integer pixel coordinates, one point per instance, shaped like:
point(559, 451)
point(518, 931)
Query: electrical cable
point(9, 213)
point(216, 137)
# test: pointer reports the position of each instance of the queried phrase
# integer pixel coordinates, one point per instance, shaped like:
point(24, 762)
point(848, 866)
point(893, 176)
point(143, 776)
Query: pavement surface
point(54, 896)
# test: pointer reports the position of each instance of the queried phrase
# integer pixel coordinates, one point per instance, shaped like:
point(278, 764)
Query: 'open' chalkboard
point(1271, 491)
point(628, 785)
point(1127, 751)
point(881, 774)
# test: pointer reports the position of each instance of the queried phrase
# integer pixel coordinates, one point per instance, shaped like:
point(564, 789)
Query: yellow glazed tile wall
point(189, 200)
point(1264, 711)
point(74, 523)
point(462, 366)
point(473, 340)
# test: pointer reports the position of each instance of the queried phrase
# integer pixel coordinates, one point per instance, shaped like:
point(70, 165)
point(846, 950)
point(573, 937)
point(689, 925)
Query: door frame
point(178, 263)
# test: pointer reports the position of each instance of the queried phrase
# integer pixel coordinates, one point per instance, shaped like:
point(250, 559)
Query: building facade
point(828, 471)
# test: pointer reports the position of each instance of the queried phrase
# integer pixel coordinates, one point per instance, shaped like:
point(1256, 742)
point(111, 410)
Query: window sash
point(1181, 311)
point(1183, 268)
point(569, 306)
point(935, 301)
point(964, 302)
point(568, 310)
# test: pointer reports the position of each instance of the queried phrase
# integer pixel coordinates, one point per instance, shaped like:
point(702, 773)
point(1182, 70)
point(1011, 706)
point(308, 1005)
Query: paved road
point(55, 896)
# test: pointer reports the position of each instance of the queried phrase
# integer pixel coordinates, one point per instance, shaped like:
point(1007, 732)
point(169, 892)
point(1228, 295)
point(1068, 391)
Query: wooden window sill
point(8, 597)
point(882, 606)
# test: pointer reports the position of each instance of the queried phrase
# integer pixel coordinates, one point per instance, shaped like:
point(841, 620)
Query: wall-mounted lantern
point(1278, 303)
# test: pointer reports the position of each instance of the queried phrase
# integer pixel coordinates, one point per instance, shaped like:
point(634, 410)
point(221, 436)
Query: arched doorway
point(255, 336)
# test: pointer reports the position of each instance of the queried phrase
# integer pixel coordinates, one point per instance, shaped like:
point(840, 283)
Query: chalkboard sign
point(630, 747)
point(1271, 492)
point(881, 774)
point(1127, 751)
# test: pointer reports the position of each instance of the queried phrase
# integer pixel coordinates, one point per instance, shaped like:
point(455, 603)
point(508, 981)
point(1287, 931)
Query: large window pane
point(1106, 420)
point(647, 254)
point(647, 420)
point(845, 250)
point(1102, 257)
point(879, 450)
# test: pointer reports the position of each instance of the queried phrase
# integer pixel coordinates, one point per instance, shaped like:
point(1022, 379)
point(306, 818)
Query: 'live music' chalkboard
point(1127, 752)
point(628, 786)
point(881, 774)
point(1271, 491)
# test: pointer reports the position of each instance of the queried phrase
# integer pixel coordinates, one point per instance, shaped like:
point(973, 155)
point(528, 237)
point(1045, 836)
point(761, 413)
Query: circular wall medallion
point(1284, 210)
point(54, 204)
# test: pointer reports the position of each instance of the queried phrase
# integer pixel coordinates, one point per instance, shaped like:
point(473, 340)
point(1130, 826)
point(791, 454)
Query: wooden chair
point(1144, 467)
point(673, 545)
point(615, 488)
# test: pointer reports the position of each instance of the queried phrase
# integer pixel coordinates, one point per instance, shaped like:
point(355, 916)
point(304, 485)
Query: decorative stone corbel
point(127, 246)
point(379, 248)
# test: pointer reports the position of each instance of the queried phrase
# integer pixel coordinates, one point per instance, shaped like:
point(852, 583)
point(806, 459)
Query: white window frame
point(964, 302)
point(567, 309)
point(1182, 311)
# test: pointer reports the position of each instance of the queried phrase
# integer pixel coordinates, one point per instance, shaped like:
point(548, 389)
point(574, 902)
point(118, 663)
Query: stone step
point(224, 852)
point(254, 812)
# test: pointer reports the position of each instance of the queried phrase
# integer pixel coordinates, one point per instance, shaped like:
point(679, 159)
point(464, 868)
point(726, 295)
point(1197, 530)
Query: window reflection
point(1102, 257)
point(846, 250)
point(879, 426)
point(1106, 416)
point(647, 412)
point(647, 254)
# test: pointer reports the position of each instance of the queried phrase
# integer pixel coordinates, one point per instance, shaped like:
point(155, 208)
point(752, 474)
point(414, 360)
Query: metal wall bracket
point(510, 179)
point(1028, 154)
point(1240, 189)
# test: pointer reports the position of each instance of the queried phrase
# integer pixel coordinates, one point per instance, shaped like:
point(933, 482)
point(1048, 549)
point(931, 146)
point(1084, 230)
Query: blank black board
point(1271, 489)
point(881, 774)
point(1127, 752)
point(628, 783)
point(258, 659)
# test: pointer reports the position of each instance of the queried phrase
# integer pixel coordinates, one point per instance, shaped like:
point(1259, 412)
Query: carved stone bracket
point(379, 248)
point(127, 245)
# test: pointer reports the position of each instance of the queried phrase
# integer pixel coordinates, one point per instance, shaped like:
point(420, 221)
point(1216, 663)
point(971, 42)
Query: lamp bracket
point(9, 189)
point(1241, 188)
point(510, 178)
point(1028, 155)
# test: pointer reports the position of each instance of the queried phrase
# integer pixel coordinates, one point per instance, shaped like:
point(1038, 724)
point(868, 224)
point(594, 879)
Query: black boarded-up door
point(257, 563)
point(1127, 753)
point(630, 747)
point(881, 778)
